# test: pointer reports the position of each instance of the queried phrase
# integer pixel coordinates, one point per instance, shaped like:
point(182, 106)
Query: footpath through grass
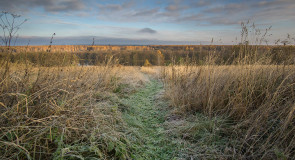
point(145, 118)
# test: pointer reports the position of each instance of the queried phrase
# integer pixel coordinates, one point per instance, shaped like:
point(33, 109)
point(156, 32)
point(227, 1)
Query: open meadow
point(61, 109)
point(147, 80)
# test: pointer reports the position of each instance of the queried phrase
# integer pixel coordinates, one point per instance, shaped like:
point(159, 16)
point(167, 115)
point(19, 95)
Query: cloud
point(65, 5)
point(47, 5)
point(228, 9)
point(272, 11)
point(148, 12)
point(115, 7)
point(202, 3)
point(174, 9)
point(273, 3)
point(178, 15)
point(147, 30)
point(110, 7)
point(201, 12)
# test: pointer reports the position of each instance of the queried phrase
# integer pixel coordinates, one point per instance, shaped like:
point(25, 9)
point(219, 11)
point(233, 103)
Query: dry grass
point(258, 99)
point(133, 76)
point(153, 71)
point(63, 112)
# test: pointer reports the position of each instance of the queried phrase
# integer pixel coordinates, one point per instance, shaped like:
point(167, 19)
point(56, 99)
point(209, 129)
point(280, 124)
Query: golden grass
point(58, 112)
point(153, 71)
point(259, 99)
point(132, 76)
point(63, 111)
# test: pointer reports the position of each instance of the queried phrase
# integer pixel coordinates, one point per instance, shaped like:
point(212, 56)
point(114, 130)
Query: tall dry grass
point(253, 94)
point(62, 112)
point(257, 99)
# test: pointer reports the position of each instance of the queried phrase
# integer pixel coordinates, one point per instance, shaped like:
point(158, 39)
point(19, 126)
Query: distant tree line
point(162, 55)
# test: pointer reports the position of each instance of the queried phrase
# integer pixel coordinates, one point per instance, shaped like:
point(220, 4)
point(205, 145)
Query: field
point(147, 80)
point(177, 108)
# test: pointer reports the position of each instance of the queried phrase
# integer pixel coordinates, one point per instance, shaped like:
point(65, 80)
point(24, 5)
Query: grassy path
point(145, 118)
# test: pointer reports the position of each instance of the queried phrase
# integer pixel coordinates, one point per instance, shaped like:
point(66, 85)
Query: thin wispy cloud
point(147, 12)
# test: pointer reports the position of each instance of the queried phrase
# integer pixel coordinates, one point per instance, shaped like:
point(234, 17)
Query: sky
point(145, 22)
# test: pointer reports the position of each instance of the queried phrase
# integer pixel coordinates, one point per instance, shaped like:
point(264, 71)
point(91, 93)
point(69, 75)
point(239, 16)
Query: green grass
point(154, 136)
point(145, 118)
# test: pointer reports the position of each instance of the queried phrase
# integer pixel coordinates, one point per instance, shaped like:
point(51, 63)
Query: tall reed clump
point(58, 112)
point(256, 97)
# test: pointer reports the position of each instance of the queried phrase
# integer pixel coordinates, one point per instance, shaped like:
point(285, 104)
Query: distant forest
point(155, 55)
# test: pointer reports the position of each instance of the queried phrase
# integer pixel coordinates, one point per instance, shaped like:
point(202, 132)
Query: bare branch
point(10, 26)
